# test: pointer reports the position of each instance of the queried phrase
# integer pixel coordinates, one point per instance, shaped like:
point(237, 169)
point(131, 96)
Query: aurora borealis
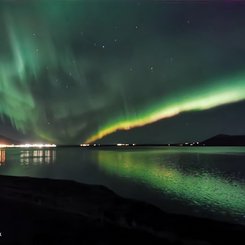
point(77, 71)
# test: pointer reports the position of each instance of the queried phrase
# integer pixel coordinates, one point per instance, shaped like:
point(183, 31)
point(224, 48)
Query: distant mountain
point(225, 140)
point(8, 141)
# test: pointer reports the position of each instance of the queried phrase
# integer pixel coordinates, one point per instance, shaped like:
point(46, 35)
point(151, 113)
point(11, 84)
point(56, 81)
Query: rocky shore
point(44, 211)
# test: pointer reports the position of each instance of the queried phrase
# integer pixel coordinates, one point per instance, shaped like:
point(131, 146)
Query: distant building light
point(120, 144)
point(27, 145)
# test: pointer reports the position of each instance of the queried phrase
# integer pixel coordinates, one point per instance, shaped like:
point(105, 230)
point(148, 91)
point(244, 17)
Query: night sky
point(121, 71)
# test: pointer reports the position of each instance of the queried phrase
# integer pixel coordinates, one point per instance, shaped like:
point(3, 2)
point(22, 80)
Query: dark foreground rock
point(44, 211)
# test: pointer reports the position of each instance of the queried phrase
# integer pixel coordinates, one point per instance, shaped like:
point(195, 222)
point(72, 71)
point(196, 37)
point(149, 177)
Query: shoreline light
point(27, 146)
point(121, 144)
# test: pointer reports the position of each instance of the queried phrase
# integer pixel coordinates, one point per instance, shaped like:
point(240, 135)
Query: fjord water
point(201, 181)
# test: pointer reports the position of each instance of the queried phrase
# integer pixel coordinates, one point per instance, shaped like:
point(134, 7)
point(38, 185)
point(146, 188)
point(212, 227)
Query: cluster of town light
point(27, 145)
point(118, 144)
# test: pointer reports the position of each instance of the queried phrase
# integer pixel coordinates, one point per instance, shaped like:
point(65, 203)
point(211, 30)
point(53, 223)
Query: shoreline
point(48, 211)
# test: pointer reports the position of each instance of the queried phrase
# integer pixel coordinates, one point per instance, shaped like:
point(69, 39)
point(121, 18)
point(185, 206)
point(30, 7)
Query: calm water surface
point(201, 181)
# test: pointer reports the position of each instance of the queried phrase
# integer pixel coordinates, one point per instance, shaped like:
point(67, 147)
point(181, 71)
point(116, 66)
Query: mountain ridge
point(225, 140)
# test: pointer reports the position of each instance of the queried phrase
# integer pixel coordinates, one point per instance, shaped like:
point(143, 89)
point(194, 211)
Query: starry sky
point(121, 71)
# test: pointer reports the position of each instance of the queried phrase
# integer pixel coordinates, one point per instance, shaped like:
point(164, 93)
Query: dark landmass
point(113, 145)
point(225, 140)
point(7, 141)
point(218, 140)
point(72, 145)
point(44, 211)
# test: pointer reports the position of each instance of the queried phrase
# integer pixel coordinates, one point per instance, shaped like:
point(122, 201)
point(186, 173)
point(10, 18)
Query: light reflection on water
point(199, 187)
point(207, 181)
point(29, 157)
point(2, 157)
point(37, 157)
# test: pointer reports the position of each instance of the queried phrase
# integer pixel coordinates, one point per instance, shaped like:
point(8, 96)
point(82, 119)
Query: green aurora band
point(71, 72)
point(227, 91)
point(29, 55)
